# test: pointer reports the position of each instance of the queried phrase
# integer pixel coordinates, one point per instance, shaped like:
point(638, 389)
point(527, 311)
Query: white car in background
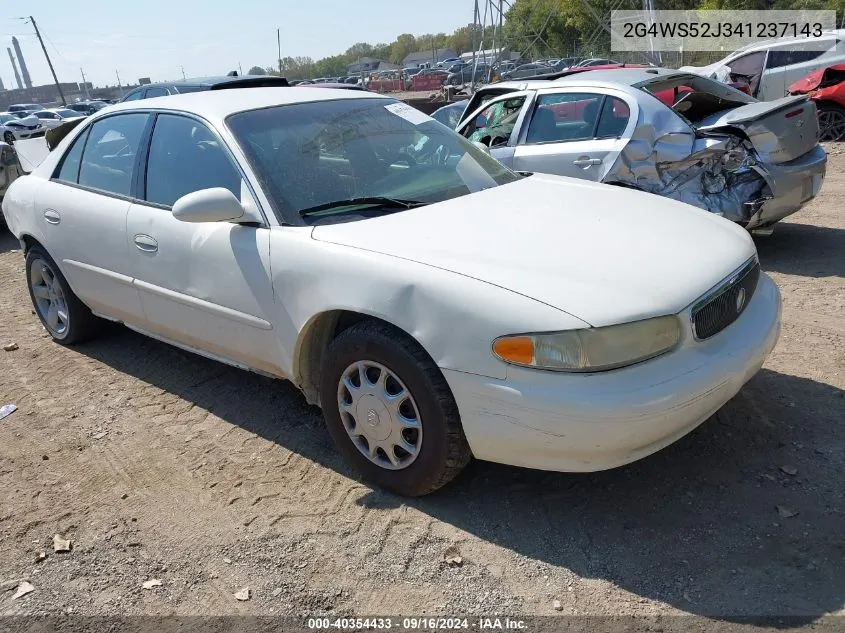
point(13, 128)
point(772, 66)
point(435, 304)
point(53, 117)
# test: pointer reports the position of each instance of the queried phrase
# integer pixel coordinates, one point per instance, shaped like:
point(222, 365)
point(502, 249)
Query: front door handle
point(585, 161)
point(146, 243)
point(52, 217)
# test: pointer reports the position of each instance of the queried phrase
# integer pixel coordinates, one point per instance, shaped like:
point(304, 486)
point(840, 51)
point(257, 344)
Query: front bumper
point(792, 185)
point(589, 422)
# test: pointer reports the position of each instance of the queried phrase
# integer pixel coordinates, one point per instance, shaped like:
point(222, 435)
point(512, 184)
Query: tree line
point(533, 28)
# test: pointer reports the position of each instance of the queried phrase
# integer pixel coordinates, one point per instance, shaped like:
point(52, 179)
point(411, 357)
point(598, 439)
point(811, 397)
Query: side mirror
point(212, 205)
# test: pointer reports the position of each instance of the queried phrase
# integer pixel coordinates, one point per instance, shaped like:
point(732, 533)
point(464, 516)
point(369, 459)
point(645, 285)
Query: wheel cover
point(831, 125)
point(49, 298)
point(380, 415)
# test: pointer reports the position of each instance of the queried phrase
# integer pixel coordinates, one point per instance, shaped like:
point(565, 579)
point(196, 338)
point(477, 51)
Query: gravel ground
point(159, 465)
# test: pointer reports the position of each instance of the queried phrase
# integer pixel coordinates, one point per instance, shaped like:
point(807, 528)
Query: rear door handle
point(52, 217)
point(587, 162)
point(146, 243)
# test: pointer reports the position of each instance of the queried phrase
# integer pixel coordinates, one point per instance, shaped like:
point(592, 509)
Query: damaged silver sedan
point(670, 133)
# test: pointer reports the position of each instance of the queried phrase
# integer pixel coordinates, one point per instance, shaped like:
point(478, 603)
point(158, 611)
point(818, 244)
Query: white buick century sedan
point(434, 304)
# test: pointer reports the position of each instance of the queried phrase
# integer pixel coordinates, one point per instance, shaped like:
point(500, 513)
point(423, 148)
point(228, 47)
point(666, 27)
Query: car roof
point(219, 82)
point(625, 76)
point(767, 44)
point(218, 105)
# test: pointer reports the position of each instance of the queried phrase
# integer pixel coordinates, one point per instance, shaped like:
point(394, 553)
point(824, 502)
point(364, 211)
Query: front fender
point(455, 318)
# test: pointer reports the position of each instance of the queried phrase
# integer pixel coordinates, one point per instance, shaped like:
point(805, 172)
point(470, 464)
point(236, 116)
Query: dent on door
point(207, 285)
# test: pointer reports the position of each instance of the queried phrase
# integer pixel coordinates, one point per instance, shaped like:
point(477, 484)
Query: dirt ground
point(158, 464)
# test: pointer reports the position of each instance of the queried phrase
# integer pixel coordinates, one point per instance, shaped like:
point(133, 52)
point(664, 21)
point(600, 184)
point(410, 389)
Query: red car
point(826, 88)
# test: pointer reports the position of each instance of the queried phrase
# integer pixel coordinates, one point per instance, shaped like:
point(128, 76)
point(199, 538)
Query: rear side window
point(108, 162)
point(186, 157)
point(69, 170)
point(614, 118)
point(134, 96)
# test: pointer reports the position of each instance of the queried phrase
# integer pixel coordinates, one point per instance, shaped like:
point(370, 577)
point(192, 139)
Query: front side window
point(495, 124)
point(787, 57)
point(134, 96)
point(156, 92)
point(750, 68)
point(564, 117)
point(186, 157)
point(108, 161)
point(315, 160)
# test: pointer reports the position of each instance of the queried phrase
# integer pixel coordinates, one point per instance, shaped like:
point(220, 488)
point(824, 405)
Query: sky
point(157, 38)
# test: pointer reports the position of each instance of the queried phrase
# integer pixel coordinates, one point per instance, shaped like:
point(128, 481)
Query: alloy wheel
point(380, 415)
point(831, 125)
point(50, 300)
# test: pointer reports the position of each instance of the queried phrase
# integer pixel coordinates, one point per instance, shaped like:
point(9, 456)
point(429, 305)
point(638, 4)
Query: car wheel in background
point(9, 137)
point(390, 411)
point(831, 122)
point(63, 315)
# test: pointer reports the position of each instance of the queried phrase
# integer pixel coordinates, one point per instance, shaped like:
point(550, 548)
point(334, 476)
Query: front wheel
point(9, 137)
point(390, 412)
point(63, 315)
point(831, 122)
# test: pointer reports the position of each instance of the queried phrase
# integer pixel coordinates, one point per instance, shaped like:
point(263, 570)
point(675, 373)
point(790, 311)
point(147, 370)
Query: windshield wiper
point(380, 201)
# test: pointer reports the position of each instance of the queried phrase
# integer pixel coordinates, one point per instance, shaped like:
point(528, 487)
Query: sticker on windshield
point(409, 113)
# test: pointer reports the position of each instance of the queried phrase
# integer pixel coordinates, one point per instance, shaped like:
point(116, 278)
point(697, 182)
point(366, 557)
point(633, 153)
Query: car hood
point(601, 253)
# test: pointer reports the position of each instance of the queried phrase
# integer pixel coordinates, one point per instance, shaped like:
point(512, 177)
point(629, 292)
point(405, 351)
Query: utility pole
point(85, 86)
point(49, 63)
point(119, 87)
point(240, 69)
point(182, 68)
point(279, 44)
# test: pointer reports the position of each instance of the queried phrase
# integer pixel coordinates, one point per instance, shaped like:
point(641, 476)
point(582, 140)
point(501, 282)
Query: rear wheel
point(831, 122)
point(390, 411)
point(63, 315)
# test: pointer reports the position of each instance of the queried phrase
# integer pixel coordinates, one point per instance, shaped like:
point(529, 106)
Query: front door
point(576, 134)
point(496, 125)
point(204, 285)
point(83, 209)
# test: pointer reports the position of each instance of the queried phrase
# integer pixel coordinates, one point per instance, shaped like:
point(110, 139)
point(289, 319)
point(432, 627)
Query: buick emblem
point(372, 418)
point(740, 300)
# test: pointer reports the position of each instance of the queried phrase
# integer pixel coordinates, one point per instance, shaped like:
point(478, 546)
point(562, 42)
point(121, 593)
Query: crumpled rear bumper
point(792, 185)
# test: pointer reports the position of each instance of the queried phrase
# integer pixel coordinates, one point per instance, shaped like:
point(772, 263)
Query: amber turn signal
point(515, 349)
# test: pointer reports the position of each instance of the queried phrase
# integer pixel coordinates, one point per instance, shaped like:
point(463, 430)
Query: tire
point(831, 122)
point(78, 324)
point(9, 138)
point(439, 447)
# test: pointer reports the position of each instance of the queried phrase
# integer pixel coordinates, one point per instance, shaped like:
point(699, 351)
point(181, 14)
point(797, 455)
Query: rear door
point(205, 285)
point(83, 211)
point(576, 132)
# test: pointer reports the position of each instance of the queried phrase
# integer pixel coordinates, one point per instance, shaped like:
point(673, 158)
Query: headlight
point(593, 349)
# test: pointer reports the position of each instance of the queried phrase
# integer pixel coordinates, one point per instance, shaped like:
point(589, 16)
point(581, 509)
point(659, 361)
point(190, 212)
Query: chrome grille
point(724, 305)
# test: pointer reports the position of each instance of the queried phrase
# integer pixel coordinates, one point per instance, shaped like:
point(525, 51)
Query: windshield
point(66, 113)
point(312, 154)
